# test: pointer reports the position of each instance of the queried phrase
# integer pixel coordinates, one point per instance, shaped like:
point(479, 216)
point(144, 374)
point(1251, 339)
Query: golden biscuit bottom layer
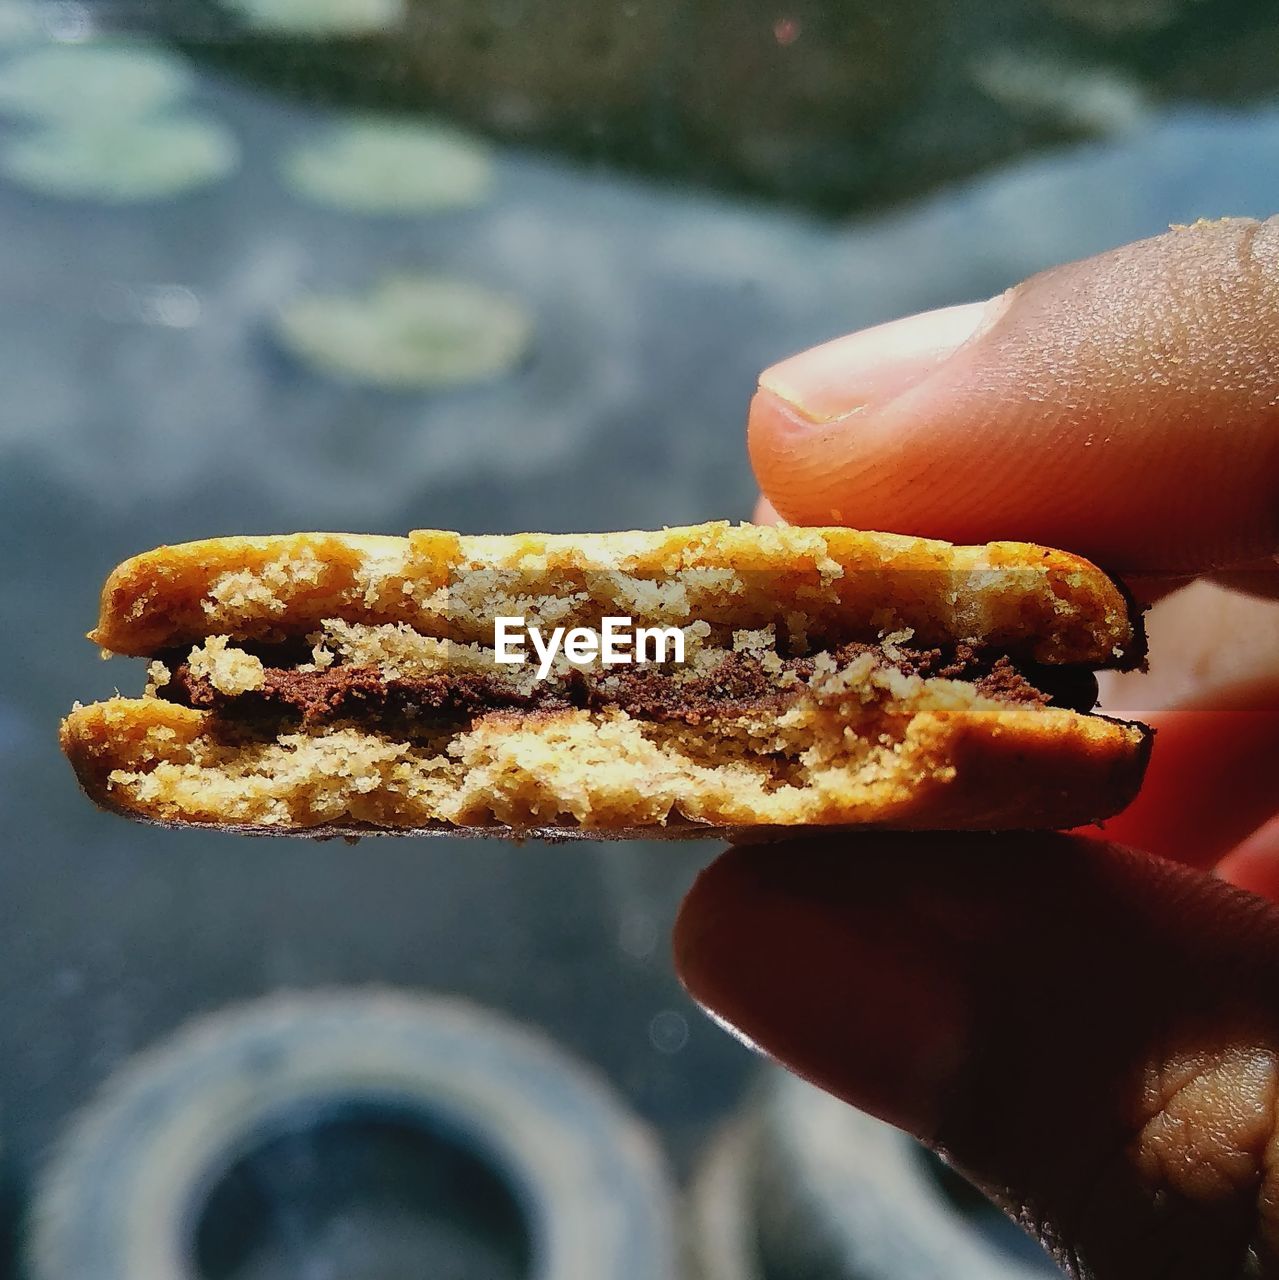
point(862, 746)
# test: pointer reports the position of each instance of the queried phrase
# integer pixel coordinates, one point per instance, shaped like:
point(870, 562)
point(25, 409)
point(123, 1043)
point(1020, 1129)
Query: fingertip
point(791, 464)
point(874, 366)
point(1121, 407)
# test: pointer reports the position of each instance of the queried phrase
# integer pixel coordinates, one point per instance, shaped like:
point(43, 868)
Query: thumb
point(1126, 407)
point(1091, 1035)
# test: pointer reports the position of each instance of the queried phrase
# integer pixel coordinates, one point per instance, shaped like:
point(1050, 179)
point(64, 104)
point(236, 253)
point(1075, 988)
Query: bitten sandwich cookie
point(625, 683)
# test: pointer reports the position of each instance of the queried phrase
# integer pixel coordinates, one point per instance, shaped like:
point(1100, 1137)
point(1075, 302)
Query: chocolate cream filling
point(738, 683)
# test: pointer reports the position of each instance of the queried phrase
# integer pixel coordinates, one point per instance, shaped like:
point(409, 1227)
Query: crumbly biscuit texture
point(852, 741)
point(862, 745)
point(1055, 607)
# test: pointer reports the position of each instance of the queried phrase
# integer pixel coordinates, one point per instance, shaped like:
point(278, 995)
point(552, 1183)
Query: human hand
point(1089, 1032)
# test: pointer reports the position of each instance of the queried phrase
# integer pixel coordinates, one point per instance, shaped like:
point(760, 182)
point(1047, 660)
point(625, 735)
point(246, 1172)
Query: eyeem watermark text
point(616, 643)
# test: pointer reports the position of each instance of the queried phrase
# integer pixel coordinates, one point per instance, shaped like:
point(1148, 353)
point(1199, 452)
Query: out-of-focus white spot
point(68, 982)
point(668, 1031)
point(408, 333)
point(320, 18)
point(66, 22)
point(122, 161)
point(172, 305)
point(637, 935)
point(371, 165)
point(1097, 99)
point(92, 85)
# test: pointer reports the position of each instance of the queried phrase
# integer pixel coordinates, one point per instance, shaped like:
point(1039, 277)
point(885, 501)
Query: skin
point(1086, 1024)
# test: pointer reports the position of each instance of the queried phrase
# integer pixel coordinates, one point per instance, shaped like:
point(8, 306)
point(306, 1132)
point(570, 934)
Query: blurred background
point(488, 265)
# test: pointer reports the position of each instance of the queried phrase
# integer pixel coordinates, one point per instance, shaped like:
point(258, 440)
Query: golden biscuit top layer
point(1050, 605)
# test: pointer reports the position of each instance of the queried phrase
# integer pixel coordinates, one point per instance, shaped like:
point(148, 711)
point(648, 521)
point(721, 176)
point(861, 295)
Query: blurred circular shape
point(1093, 99)
point(637, 934)
point(361, 1194)
point(668, 1031)
point(408, 333)
point(66, 20)
point(120, 161)
point(90, 84)
point(391, 166)
point(799, 1184)
point(320, 18)
point(840, 1195)
point(172, 305)
point(183, 1133)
